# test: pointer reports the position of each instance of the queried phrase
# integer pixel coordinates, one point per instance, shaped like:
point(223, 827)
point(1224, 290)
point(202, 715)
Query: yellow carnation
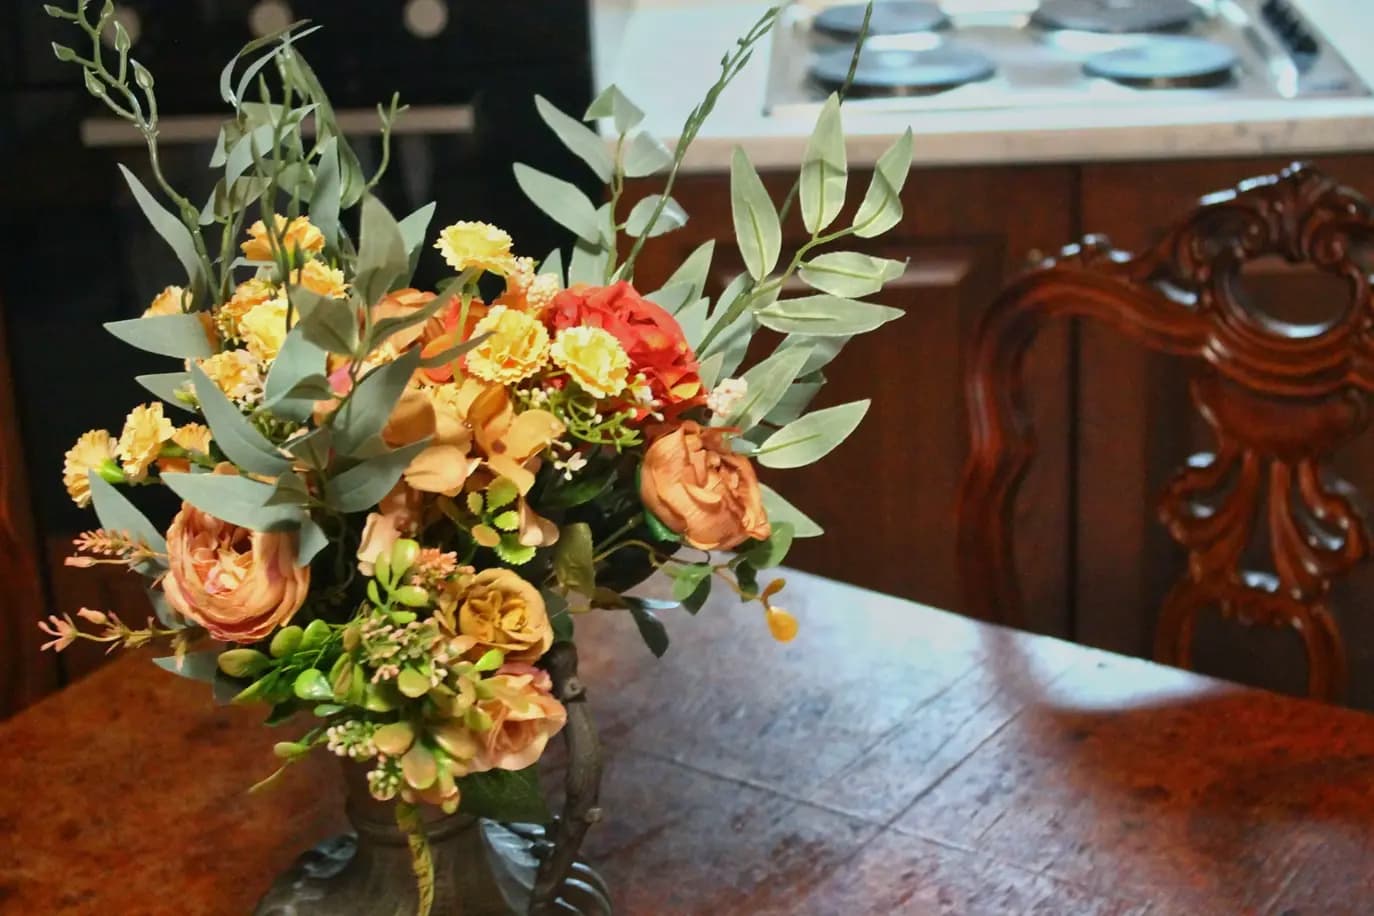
point(479, 245)
point(248, 294)
point(264, 328)
point(144, 432)
point(167, 302)
point(299, 234)
point(92, 450)
point(320, 278)
point(516, 349)
point(236, 372)
point(194, 437)
point(593, 358)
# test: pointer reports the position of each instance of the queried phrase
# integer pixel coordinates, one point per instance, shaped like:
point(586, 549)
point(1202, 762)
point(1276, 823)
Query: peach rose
point(238, 584)
point(503, 611)
point(398, 515)
point(431, 413)
point(524, 716)
point(698, 487)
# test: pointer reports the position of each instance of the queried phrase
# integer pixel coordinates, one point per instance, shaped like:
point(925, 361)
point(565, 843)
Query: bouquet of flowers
point(396, 502)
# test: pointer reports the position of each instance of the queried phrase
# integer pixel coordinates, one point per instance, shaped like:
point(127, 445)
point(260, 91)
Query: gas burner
point(890, 17)
point(902, 72)
point(1166, 62)
point(1115, 16)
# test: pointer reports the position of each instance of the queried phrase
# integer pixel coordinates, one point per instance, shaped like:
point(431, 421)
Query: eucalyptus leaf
point(330, 324)
point(766, 384)
point(116, 513)
point(254, 145)
point(710, 370)
point(237, 438)
point(238, 500)
point(382, 254)
point(553, 264)
point(166, 385)
point(671, 218)
point(694, 270)
point(673, 297)
point(584, 142)
point(769, 553)
point(849, 273)
point(562, 201)
point(196, 666)
point(312, 541)
point(172, 229)
point(413, 230)
point(757, 229)
point(825, 316)
point(327, 194)
point(182, 336)
point(645, 155)
point(363, 485)
point(824, 170)
point(812, 437)
point(588, 264)
point(613, 104)
point(794, 402)
point(780, 510)
point(365, 413)
point(882, 204)
point(298, 360)
point(692, 320)
point(823, 349)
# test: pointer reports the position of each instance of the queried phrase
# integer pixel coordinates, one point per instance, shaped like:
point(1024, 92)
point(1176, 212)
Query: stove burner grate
point(890, 17)
point(1115, 16)
point(902, 72)
point(1166, 62)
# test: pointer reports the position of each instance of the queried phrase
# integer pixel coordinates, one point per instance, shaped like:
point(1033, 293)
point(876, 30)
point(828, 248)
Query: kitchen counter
point(664, 54)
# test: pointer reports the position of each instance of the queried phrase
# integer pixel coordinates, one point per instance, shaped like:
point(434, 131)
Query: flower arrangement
point(396, 501)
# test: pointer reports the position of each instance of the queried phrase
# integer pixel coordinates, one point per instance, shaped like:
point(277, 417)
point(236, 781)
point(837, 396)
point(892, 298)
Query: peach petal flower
point(299, 234)
point(91, 450)
point(145, 430)
point(524, 716)
point(167, 302)
point(503, 611)
point(697, 486)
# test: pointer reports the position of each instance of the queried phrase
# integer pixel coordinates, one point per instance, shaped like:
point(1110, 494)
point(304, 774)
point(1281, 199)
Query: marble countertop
point(665, 53)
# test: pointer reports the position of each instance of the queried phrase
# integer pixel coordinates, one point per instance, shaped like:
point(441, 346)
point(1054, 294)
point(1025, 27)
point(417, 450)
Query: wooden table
point(894, 759)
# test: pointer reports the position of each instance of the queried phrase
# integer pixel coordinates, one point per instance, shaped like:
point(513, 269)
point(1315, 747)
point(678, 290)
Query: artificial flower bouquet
point(395, 502)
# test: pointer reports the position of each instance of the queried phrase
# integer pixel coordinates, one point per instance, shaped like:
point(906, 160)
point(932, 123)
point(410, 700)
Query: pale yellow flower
point(480, 245)
point(593, 358)
point(264, 328)
point(299, 234)
point(194, 437)
point(248, 294)
point(236, 372)
point(516, 349)
point(167, 302)
point(92, 450)
point(320, 278)
point(144, 432)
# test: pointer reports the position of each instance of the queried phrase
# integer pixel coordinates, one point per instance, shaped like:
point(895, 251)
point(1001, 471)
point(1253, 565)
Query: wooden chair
point(1278, 398)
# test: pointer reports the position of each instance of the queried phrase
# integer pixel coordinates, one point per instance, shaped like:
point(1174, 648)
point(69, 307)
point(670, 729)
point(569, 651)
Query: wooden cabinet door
point(886, 497)
point(1136, 426)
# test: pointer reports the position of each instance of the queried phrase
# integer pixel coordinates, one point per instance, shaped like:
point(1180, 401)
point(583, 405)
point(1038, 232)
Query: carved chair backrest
point(1278, 399)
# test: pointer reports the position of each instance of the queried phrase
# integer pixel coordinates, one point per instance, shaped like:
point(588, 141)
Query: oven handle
point(187, 129)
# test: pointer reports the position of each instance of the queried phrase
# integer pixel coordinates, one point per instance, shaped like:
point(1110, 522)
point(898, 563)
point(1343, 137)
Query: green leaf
point(311, 684)
point(824, 170)
point(509, 796)
point(238, 500)
point(673, 217)
point(687, 581)
point(673, 297)
point(812, 437)
point(197, 666)
point(780, 511)
point(172, 229)
point(311, 541)
point(882, 205)
point(825, 316)
point(553, 264)
point(771, 552)
point(382, 254)
point(413, 230)
point(327, 194)
point(289, 490)
point(588, 264)
point(300, 360)
point(767, 382)
point(850, 274)
point(165, 385)
point(613, 104)
point(823, 350)
point(363, 486)
point(694, 271)
point(239, 439)
point(585, 143)
point(181, 336)
point(645, 156)
point(562, 201)
point(116, 513)
point(559, 616)
point(330, 324)
point(572, 558)
point(757, 230)
point(660, 531)
point(710, 370)
point(795, 401)
point(255, 144)
point(365, 413)
point(651, 629)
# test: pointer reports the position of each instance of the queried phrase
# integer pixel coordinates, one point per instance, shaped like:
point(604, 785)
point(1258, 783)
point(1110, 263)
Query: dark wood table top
point(893, 759)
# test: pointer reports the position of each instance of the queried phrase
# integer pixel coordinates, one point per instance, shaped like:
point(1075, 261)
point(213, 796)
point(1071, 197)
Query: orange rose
point(698, 487)
point(524, 716)
point(238, 584)
point(503, 611)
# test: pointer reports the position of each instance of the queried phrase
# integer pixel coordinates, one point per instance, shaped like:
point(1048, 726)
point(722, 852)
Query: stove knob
point(426, 18)
point(269, 17)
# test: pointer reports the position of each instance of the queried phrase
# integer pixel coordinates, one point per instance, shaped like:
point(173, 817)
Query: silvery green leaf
point(298, 360)
point(256, 144)
point(172, 229)
point(363, 485)
point(553, 264)
point(645, 156)
point(166, 614)
point(562, 201)
point(289, 490)
point(692, 320)
point(613, 104)
point(327, 194)
point(196, 666)
point(781, 511)
point(447, 356)
point(382, 255)
point(882, 205)
point(311, 541)
point(812, 437)
point(330, 324)
point(757, 230)
point(849, 273)
point(238, 500)
point(670, 218)
point(116, 513)
point(766, 384)
point(824, 169)
point(732, 342)
point(823, 349)
point(605, 221)
point(585, 143)
point(166, 385)
point(365, 413)
point(588, 264)
point(314, 449)
point(825, 316)
point(236, 437)
point(283, 39)
point(181, 336)
point(795, 401)
point(695, 270)
point(413, 229)
point(710, 370)
point(674, 296)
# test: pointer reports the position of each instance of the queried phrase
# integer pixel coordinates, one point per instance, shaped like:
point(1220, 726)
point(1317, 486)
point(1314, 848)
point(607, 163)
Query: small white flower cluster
point(384, 780)
point(643, 394)
point(574, 462)
point(726, 397)
point(351, 739)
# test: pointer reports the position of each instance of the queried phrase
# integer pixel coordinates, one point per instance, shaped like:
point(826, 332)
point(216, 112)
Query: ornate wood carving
point(1279, 399)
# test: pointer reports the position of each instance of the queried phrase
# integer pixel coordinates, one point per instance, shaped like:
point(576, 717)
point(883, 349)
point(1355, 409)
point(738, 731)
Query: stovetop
point(989, 54)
